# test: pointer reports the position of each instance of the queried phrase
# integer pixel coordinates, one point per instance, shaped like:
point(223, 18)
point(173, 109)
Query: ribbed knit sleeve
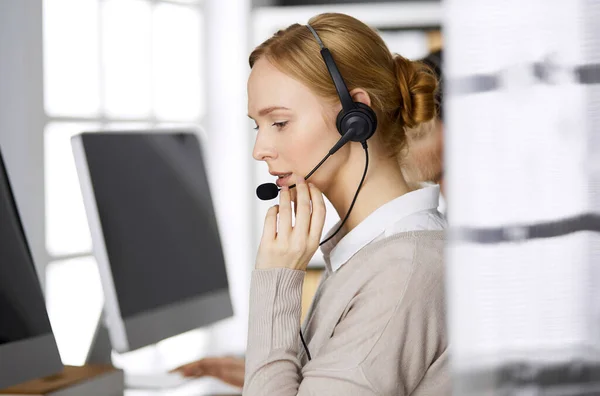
point(377, 327)
point(272, 365)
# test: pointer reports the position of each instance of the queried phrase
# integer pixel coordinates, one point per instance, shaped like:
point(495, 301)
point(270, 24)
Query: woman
point(377, 323)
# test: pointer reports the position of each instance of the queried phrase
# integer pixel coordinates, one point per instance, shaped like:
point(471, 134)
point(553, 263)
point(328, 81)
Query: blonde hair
point(402, 92)
point(423, 160)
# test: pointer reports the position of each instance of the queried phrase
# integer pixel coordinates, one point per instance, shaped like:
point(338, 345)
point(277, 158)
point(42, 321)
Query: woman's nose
point(262, 150)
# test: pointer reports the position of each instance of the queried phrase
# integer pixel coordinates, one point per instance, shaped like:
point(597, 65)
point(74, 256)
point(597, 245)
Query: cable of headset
point(305, 346)
point(364, 144)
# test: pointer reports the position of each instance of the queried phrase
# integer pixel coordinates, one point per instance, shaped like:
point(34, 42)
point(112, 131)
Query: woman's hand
point(284, 246)
point(228, 369)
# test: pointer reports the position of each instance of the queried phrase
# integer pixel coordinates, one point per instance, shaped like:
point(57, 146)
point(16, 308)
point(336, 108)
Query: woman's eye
point(280, 125)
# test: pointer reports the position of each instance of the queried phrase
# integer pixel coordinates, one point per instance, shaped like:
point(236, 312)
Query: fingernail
point(300, 180)
point(284, 188)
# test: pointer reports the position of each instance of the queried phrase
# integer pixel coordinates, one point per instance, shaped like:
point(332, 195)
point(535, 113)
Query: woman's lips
point(283, 180)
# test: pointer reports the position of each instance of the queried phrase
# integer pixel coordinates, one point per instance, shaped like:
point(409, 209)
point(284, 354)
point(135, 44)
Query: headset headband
point(336, 76)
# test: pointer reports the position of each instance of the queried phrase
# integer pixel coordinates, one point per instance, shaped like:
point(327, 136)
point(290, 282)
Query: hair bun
point(418, 86)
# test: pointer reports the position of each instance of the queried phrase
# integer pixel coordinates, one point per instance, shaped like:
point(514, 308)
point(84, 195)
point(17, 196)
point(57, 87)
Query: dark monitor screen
point(27, 346)
point(157, 218)
point(22, 308)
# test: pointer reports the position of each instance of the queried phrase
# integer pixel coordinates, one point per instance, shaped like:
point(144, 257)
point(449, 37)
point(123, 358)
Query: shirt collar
point(338, 250)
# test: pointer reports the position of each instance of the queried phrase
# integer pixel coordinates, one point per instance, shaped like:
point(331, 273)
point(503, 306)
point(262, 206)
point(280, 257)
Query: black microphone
point(268, 191)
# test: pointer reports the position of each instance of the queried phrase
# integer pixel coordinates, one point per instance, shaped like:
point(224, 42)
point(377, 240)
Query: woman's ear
point(360, 95)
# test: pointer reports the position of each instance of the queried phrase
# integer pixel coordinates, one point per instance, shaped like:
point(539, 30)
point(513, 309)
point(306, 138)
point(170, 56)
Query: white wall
point(21, 114)
point(230, 141)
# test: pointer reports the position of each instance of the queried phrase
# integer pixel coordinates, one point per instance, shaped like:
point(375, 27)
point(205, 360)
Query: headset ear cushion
point(369, 112)
point(363, 116)
point(338, 122)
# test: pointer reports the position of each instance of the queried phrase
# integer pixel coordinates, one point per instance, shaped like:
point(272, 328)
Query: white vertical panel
point(229, 152)
point(522, 134)
point(22, 114)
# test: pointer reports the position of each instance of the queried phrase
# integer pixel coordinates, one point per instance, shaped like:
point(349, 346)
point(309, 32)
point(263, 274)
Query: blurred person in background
point(424, 161)
point(377, 324)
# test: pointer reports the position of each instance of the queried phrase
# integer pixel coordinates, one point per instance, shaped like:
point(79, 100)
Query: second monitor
point(27, 346)
point(154, 233)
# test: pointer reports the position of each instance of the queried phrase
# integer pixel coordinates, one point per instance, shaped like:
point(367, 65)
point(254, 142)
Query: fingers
point(303, 208)
point(194, 369)
point(182, 367)
point(270, 226)
point(228, 369)
point(285, 213)
point(193, 372)
point(317, 220)
point(291, 247)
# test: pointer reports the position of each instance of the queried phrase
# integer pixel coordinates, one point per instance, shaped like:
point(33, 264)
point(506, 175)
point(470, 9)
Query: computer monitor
point(154, 234)
point(27, 346)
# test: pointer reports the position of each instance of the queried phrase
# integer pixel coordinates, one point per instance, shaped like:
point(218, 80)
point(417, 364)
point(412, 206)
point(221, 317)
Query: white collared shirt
point(414, 211)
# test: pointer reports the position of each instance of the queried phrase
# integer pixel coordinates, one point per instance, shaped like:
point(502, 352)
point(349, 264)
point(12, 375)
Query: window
point(108, 64)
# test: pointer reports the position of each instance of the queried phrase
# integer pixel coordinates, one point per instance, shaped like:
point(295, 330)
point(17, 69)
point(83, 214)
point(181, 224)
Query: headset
point(356, 122)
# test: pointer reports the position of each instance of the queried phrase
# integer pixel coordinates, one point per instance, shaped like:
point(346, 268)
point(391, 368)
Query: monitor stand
point(100, 352)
